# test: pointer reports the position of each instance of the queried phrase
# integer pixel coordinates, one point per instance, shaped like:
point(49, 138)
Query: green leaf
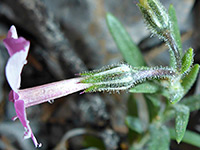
point(190, 78)
point(189, 137)
point(146, 87)
point(134, 124)
point(153, 104)
point(174, 28)
point(128, 49)
point(187, 60)
point(159, 138)
point(132, 106)
point(181, 121)
point(193, 102)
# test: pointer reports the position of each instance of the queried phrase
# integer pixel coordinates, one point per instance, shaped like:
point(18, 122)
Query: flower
point(18, 50)
point(111, 78)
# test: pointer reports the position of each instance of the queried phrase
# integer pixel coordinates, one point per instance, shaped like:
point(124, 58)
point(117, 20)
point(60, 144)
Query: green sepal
point(128, 49)
point(181, 121)
point(148, 20)
point(187, 61)
point(159, 13)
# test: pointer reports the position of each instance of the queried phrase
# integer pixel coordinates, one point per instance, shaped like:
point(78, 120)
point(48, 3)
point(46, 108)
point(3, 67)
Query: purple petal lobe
point(21, 114)
point(15, 45)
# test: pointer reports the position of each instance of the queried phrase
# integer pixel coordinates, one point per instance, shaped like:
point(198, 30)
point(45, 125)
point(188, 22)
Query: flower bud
point(155, 15)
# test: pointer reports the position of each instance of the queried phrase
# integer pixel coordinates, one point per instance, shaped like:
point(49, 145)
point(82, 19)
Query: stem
point(40, 94)
point(155, 73)
point(142, 142)
point(174, 48)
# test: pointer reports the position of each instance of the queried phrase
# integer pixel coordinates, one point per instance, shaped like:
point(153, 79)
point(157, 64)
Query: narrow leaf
point(132, 110)
point(187, 60)
point(146, 87)
point(193, 102)
point(153, 104)
point(159, 138)
point(181, 121)
point(189, 137)
point(174, 28)
point(190, 78)
point(128, 49)
point(132, 106)
point(134, 124)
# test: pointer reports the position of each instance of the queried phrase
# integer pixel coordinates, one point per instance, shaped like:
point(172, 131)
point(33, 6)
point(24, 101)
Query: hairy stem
point(173, 49)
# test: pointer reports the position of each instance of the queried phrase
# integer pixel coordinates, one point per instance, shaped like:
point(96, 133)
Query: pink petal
point(21, 114)
point(14, 68)
point(12, 33)
point(18, 49)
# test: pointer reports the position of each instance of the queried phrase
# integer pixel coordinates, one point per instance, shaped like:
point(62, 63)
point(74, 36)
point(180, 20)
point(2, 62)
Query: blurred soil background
point(71, 36)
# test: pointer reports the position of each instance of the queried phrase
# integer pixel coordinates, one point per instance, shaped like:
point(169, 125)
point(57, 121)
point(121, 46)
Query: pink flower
point(18, 50)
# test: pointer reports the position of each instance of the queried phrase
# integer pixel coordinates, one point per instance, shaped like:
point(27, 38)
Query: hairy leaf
point(190, 78)
point(189, 137)
point(146, 87)
point(181, 121)
point(159, 138)
point(187, 60)
point(128, 49)
point(174, 28)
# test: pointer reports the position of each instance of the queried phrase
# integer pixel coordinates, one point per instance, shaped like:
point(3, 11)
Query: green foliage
point(189, 137)
point(190, 78)
point(159, 137)
point(132, 106)
point(146, 87)
point(171, 82)
point(174, 28)
point(134, 124)
point(193, 102)
point(128, 49)
point(187, 61)
point(181, 121)
point(153, 104)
